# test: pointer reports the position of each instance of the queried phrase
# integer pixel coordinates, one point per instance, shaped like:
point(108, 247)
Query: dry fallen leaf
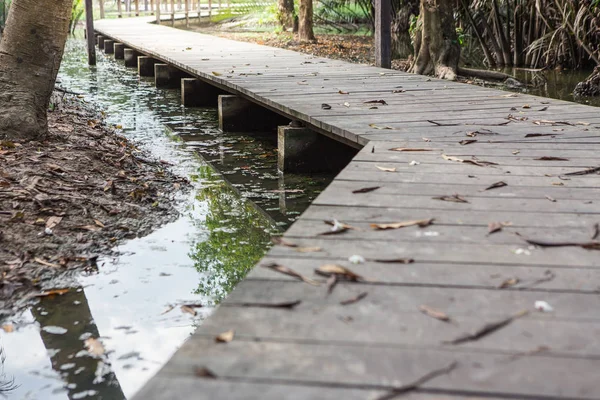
point(290, 272)
point(189, 310)
point(225, 337)
point(281, 241)
point(337, 227)
point(585, 171)
point(216, 73)
point(308, 249)
point(339, 271)
point(382, 102)
point(549, 158)
point(52, 292)
point(408, 149)
point(397, 225)
point(508, 283)
point(385, 169)
point(94, 347)
point(456, 198)
point(354, 299)
point(394, 260)
point(46, 263)
point(467, 141)
point(8, 328)
point(487, 329)
point(52, 222)
point(285, 304)
point(375, 126)
point(432, 312)
point(496, 185)
point(203, 372)
point(325, 106)
point(343, 92)
point(596, 231)
point(366, 189)
point(494, 227)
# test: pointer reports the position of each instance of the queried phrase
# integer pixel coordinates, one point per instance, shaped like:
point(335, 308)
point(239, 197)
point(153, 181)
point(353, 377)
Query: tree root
point(484, 74)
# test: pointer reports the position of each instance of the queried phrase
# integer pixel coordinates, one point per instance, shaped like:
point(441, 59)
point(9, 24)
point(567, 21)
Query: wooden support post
point(172, 12)
point(109, 46)
point(383, 34)
point(167, 76)
point(101, 9)
point(146, 66)
point(119, 51)
point(152, 7)
point(197, 93)
point(209, 9)
point(187, 13)
point(237, 114)
point(137, 8)
point(130, 56)
point(199, 10)
point(302, 150)
point(158, 11)
point(89, 23)
point(100, 41)
point(119, 9)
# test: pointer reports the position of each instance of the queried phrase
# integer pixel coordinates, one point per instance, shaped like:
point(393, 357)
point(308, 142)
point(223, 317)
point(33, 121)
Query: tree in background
point(30, 54)
point(285, 14)
point(437, 50)
point(305, 28)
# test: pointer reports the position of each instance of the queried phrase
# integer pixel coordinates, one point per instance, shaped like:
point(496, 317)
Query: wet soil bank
point(72, 196)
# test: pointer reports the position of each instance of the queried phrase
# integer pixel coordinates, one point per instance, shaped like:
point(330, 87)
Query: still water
point(133, 304)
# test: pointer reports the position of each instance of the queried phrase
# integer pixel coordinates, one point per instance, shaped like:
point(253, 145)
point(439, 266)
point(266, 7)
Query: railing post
point(101, 9)
point(209, 9)
point(137, 8)
point(172, 12)
point(187, 13)
point(158, 11)
point(119, 9)
point(383, 34)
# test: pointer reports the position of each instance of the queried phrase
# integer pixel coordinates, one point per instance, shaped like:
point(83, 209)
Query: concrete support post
point(100, 40)
point(196, 93)
point(146, 66)
point(303, 150)
point(167, 76)
point(109, 46)
point(130, 56)
point(237, 114)
point(119, 51)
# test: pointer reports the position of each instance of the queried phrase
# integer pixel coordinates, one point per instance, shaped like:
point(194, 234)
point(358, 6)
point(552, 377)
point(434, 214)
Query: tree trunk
point(437, 49)
point(30, 55)
point(305, 28)
point(285, 9)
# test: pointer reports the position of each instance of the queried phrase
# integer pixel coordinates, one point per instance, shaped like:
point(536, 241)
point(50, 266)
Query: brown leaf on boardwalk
point(284, 304)
point(487, 329)
point(281, 241)
point(338, 271)
point(467, 141)
point(290, 272)
point(90, 228)
point(225, 337)
point(526, 106)
point(375, 126)
point(203, 372)
point(552, 199)
point(343, 92)
point(52, 222)
point(392, 394)
point(382, 102)
point(395, 260)
point(337, 227)
point(543, 108)
point(385, 169)
point(539, 134)
point(366, 189)
point(596, 231)
point(478, 163)
point(216, 73)
point(52, 292)
point(594, 245)
point(8, 328)
point(46, 263)
point(440, 123)
point(550, 158)
point(553, 123)
point(308, 249)
point(456, 198)
point(189, 310)
point(354, 299)
point(325, 106)
point(494, 227)
point(496, 185)
point(397, 225)
point(585, 171)
point(94, 347)
point(508, 283)
point(408, 149)
point(433, 313)
point(168, 309)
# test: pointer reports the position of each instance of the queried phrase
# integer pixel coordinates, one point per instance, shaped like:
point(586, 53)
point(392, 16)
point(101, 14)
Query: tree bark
point(437, 50)
point(285, 9)
point(305, 28)
point(30, 55)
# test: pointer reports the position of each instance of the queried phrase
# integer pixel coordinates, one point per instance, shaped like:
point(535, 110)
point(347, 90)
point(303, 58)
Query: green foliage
point(76, 14)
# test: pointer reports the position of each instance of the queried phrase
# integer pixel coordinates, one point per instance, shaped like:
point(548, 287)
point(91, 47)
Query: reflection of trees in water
point(238, 236)
point(78, 369)
point(7, 383)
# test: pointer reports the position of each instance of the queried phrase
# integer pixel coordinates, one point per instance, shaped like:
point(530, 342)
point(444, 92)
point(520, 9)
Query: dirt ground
point(72, 196)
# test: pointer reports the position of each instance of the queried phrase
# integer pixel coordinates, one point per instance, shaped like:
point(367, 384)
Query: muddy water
point(133, 304)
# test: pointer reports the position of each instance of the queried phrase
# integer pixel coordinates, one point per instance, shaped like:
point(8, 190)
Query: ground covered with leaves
point(72, 196)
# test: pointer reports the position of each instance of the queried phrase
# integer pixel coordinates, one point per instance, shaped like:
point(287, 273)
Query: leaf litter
point(290, 272)
point(434, 313)
point(487, 329)
point(422, 223)
point(395, 392)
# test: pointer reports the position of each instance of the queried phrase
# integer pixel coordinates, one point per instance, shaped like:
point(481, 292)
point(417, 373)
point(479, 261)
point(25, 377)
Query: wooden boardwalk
point(465, 156)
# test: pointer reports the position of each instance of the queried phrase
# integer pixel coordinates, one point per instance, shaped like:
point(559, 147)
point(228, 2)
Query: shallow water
point(133, 303)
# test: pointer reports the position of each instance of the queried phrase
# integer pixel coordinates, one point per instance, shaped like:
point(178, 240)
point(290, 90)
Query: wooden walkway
point(462, 155)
